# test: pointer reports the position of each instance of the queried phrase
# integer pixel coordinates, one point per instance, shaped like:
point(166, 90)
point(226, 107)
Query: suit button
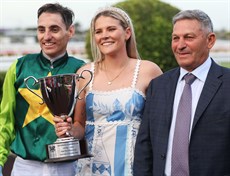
point(163, 156)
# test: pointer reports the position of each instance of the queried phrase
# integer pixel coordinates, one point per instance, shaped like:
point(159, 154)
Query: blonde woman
point(110, 113)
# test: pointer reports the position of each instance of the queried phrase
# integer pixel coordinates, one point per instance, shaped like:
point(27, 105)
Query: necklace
point(110, 81)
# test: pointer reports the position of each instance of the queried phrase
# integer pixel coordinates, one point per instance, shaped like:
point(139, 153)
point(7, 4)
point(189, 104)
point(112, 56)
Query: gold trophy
point(60, 94)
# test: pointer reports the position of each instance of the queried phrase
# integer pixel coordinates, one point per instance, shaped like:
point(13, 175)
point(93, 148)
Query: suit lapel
point(171, 88)
point(211, 86)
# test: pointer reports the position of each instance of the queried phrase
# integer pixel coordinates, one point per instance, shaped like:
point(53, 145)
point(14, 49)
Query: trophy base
point(66, 150)
point(67, 159)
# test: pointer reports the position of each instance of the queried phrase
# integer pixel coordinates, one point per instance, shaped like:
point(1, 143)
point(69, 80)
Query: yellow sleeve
point(7, 132)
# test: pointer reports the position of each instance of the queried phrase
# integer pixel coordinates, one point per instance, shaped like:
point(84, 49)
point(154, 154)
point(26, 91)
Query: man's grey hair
point(198, 15)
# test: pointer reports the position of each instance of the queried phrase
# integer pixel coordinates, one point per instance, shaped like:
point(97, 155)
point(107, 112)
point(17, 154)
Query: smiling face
point(52, 34)
point(191, 44)
point(110, 36)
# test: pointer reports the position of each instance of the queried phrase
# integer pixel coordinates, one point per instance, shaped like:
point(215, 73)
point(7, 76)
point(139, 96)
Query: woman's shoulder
point(86, 66)
point(149, 64)
point(150, 67)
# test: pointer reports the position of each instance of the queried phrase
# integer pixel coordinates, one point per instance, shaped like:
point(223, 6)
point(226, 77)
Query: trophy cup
point(60, 94)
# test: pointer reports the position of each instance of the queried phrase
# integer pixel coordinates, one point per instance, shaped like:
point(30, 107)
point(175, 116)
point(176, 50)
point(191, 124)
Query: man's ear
point(211, 40)
point(71, 31)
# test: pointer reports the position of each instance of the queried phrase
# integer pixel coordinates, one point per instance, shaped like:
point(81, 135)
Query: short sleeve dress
point(113, 119)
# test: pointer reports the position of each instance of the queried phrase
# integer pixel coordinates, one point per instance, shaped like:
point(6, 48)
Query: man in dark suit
point(208, 149)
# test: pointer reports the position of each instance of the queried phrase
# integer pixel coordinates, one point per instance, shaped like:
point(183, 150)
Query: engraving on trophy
point(60, 94)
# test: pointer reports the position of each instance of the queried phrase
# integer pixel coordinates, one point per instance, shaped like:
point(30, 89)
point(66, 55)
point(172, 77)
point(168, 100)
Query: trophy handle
point(35, 82)
point(80, 76)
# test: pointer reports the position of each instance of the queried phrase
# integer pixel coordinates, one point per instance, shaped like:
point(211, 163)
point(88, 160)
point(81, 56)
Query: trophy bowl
point(60, 94)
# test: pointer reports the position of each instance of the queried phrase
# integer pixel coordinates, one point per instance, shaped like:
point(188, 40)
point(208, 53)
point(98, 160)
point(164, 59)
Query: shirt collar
point(53, 59)
point(200, 72)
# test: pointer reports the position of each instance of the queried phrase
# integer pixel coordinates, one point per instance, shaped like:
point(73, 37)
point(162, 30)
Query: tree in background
point(152, 20)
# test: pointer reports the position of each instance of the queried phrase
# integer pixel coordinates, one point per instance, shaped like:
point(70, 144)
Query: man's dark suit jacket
point(209, 150)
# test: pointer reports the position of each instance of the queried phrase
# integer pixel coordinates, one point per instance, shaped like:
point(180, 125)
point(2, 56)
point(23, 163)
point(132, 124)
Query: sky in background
point(23, 13)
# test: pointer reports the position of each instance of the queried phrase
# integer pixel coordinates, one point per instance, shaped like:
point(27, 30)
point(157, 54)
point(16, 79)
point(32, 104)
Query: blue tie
point(180, 165)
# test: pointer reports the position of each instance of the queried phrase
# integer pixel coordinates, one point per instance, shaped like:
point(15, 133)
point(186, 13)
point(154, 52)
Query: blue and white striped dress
point(113, 120)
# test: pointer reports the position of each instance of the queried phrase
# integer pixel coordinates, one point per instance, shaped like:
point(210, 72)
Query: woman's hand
point(63, 126)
